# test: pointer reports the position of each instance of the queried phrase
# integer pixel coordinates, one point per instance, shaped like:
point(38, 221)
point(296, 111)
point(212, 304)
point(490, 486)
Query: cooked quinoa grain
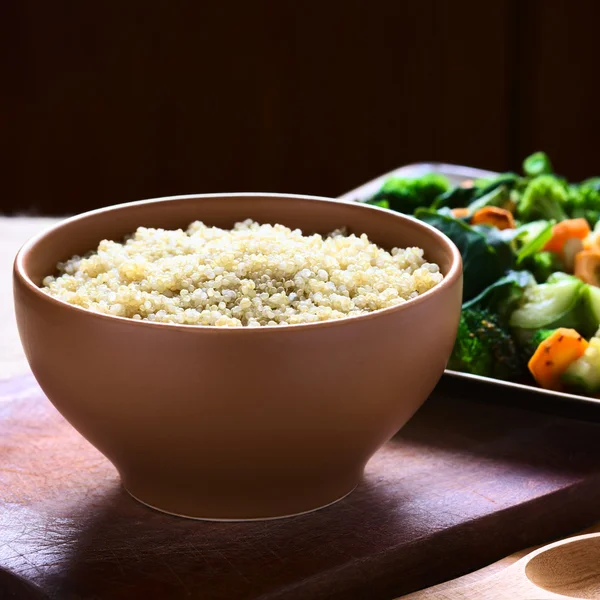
point(251, 275)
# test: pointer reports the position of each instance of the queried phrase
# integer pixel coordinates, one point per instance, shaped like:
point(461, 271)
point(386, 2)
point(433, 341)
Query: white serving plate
point(456, 174)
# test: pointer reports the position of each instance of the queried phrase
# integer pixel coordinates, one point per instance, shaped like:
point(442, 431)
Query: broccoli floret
point(430, 186)
point(543, 198)
point(593, 182)
point(405, 195)
point(483, 347)
point(584, 201)
point(536, 164)
point(543, 264)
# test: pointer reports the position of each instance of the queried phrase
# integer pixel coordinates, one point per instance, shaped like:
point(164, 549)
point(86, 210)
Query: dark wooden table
point(474, 476)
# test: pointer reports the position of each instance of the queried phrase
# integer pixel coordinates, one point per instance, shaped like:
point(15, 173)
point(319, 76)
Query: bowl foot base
point(252, 503)
point(255, 498)
point(239, 519)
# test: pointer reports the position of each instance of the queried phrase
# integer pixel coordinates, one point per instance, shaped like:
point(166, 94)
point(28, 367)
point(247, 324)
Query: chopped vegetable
point(565, 230)
point(536, 164)
point(497, 197)
point(548, 305)
point(495, 217)
point(405, 195)
point(560, 276)
point(510, 205)
point(503, 295)
point(554, 355)
point(584, 373)
point(593, 239)
point(530, 344)
point(530, 246)
point(478, 193)
point(485, 259)
point(460, 213)
point(587, 266)
point(484, 186)
point(484, 347)
point(569, 251)
point(501, 242)
point(583, 201)
point(592, 182)
point(589, 310)
point(543, 264)
point(531, 238)
point(457, 197)
point(543, 198)
point(382, 203)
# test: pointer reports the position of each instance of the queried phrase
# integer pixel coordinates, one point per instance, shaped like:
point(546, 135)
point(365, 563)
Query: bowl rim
point(454, 273)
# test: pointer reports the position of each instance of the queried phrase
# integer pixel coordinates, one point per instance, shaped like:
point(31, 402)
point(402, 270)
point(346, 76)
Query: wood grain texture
point(471, 479)
point(566, 569)
point(487, 572)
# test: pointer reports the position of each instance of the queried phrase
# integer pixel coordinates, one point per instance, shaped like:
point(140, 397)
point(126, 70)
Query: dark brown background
point(106, 102)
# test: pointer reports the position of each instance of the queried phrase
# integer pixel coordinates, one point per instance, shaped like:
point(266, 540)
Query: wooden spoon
point(567, 569)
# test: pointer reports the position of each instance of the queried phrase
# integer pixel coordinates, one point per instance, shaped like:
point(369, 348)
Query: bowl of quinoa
point(252, 275)
point(238, 356)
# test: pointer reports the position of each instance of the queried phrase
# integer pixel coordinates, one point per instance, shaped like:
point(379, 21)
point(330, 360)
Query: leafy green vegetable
point(498, 196)
point(463, 196)
point(501, 241)
point(457, 197)
point(483, 347)
point(485, 186)
point(485, 258)
point(502, 296)
point(536, 164)
point(515, 293)
point(532, 237)
point(405, 195)
point(543, 198)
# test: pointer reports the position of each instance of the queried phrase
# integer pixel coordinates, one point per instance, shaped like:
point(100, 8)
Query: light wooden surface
point(15, 231)
point(565, 569)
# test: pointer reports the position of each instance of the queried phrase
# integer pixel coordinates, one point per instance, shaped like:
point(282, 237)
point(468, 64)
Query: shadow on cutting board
point(14, 587)
point(118, 549)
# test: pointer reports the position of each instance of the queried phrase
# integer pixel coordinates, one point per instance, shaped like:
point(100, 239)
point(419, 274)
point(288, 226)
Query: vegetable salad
point(530, 245)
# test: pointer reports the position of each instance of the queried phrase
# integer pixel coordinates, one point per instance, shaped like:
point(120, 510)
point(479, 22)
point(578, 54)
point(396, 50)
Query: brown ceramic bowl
point(237, 423)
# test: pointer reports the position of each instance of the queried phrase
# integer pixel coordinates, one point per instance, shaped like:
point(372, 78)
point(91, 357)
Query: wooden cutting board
point(472, 478)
